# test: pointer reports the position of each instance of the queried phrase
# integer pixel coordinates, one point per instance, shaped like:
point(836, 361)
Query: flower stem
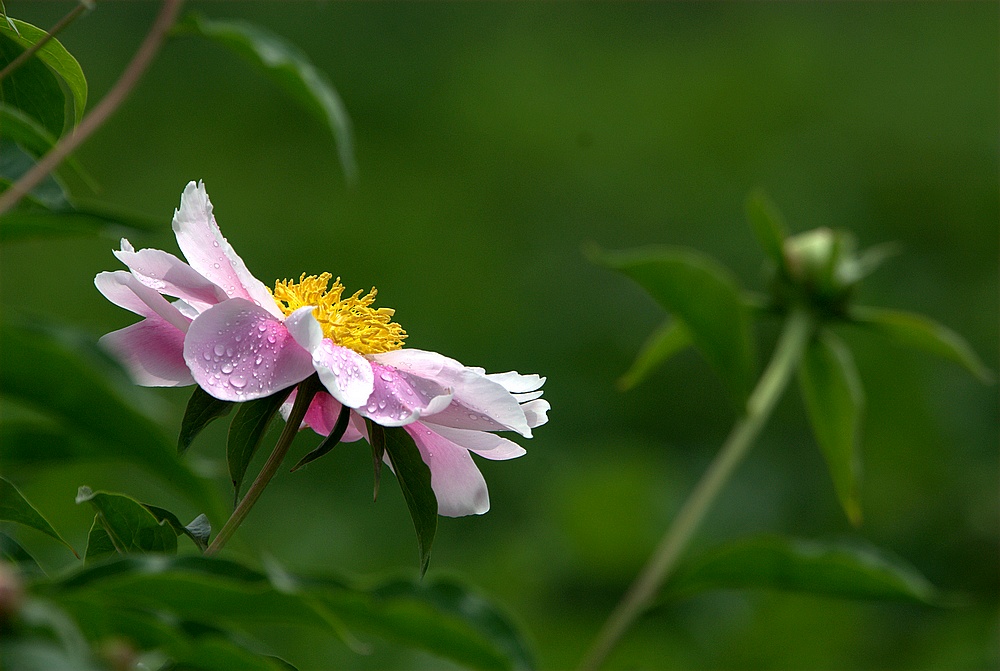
point(307, 389)
point(787, 354)
point(101, 112)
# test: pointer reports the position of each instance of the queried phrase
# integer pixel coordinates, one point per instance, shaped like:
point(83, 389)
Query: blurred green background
point(493, 142)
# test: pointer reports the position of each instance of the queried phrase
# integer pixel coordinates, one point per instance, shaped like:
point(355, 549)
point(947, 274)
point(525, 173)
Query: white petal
point(125, 291)
point(400, 398)
point(483, 443)
point(457, 483)
point(210, 254)
point(536, 412)
point(169, 275)
point(516, 383)
point(346, 374)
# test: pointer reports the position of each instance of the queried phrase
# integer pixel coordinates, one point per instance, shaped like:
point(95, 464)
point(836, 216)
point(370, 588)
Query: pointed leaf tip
point(414, 479)
point(15, 508)
point(768, 226)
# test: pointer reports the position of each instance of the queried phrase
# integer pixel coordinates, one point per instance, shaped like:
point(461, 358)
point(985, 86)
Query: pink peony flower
point(238, 340)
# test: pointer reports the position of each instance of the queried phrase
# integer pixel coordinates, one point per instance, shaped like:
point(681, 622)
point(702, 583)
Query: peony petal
point(477, 403)
point(400, 398)
point(322, 414)
point(152, 351)
point(483, 443)
point(516, 383)
point(125, 291)
point(536, 412)
point(457, 483)
point(168, 275)
point(211, 255)
point(346, 374)
point(238, 351)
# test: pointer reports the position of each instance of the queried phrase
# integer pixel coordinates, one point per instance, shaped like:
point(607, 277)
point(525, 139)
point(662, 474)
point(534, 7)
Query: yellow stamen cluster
point(349, 322)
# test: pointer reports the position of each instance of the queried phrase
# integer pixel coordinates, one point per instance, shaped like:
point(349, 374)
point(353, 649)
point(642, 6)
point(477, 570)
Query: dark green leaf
point(14, 163)
point(129, 524)
point(60, 63)
point(328, 443)
point(378, 455)
point(664, 342)
point(66, 220)
point(11, 551)
point(771, 562)
point(704, 296)
point(768, 226)
point(15, 508)
point(32, 88)
point(34, 139)
point(202, 409)
point(99, 543)
point(199, 530)
point(835, 401)
point(289, 67)
point(920, 332)
point(247, 431)
point(414, 479)
point(64, 376)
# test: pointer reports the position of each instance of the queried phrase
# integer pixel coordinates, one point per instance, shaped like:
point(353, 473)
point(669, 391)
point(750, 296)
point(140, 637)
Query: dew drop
point(217, 265)
point(208, 356)
point(386, 376)
point(271, 339)
point(238, 381)
point(381, 404)
point(227, 368)
point(211, 382)
point(262, 327)
point(229, 351)
point(220, 350)
point(257, 362)
point(473, 415)
point(371, 406)
point(238, 337)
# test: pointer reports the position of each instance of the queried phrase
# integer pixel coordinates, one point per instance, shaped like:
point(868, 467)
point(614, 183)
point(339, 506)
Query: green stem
point(787, 354)
point(307, 389)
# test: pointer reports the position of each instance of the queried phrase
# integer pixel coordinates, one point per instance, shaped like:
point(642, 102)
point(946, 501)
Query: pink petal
point(210, 254)
point(238, 351)
point(152, 351)
point(322, 414)
point(477, 403)
point(399, 398)
point(536, 412)
point(169, 275)
point(483, 443)
point(346, 374)
point(125, 291)
point(457, 483)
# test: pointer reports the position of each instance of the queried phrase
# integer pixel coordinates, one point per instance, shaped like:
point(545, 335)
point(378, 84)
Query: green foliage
point(835, 402)
point(414, 479)
point(214, 599)
point(328, 443)
point(663, 343)
point(202, 409)
point(15, 508)
point(832, 569)
point(769, 227)
point(287, 65)
point(923, 333)
point(71, 100)
point(702, 295)
point(67, 380)
point(247, 431)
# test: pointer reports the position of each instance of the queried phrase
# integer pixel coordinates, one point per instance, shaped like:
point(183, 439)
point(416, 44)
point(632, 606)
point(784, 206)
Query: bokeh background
point(494, 140)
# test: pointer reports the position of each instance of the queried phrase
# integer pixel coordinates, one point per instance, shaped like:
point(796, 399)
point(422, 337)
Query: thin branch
point(101, 112)
point(34, 48)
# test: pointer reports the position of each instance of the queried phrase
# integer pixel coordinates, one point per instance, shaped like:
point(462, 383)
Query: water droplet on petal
point(208, 356)
point(229, 351)
point(238, 337)
point(220, 350)
point(217, 265)
point(371, 406)
point(271, 339)
point(227, 368)
point(262, 327)
point(386, 376)
point(473, 415)
point(211, 382)
point(258, 362)
point(238, 381)
point(381, 404)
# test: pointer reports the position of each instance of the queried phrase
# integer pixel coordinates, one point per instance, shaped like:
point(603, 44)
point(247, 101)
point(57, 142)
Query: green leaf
point(247, 431)
point(15, 162)
point(378, 456)
point(202, 409)
point(32, 88)
point(67, 220)
point(414, 479)
point(328, 443)
point(65, 377)
point(34, 139)
point(768, 225)
point(130, 525)
point(199, 530)
point(666, 341)
point(11, 551)
point(15, 508)
point(59, 62)
point(287, 65)
point(704, 296)
point(835, 402)
point(443, 617)
point(772, 562)
point(920, 332)
point(99, 543)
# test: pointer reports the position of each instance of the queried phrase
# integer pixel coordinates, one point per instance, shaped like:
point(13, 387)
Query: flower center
point(349, 322)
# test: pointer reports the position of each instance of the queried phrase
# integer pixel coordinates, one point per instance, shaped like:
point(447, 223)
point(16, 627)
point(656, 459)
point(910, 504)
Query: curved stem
point(34, 48)
point(101, 112)
point(307, 389)
point(797, 331)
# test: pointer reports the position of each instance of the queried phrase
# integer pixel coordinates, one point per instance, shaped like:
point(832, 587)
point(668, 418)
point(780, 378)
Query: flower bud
point(822, 265)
